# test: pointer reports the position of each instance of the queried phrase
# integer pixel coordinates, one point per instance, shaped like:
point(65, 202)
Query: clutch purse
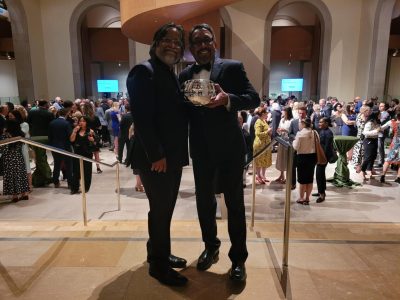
point(199, 91)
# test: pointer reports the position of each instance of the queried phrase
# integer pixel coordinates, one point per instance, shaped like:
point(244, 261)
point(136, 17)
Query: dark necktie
point(197, 68)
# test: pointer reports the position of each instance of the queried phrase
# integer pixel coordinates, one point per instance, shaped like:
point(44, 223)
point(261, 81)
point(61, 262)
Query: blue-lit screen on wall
point(292, 85)
point(107, 86)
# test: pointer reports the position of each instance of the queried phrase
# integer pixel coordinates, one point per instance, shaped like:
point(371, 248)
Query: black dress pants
point(321, 178)
point(294, 173)
point(76, 172)
point(122, 142)
point(227, 178)
point(161, 190)
point(58, 160)
point(370, 153)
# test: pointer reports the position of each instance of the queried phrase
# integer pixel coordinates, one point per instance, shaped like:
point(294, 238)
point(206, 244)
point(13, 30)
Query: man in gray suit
point(293, 129)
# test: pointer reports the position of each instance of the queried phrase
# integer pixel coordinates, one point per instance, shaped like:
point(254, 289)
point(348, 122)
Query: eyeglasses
point(206, 41)
point(167, 41)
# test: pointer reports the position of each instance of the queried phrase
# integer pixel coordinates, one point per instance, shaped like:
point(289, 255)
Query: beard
point(169, 59)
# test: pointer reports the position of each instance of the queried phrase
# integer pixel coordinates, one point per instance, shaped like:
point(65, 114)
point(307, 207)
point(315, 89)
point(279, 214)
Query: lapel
point(216, 70)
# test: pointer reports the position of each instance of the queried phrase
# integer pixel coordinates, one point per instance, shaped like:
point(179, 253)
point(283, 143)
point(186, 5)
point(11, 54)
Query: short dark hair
point(17, 115)
point(200, 26)
point(68, 103)
point(43, 103)
point(162, 32)
point(327, 120)
point(307, 122)
point(63, 112)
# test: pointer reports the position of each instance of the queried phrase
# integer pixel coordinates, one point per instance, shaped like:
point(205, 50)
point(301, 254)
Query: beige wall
point(8, 79)
point(353, 23)
point(34, 20)
point(48, 23)
point(394, 79)
point(248, 26)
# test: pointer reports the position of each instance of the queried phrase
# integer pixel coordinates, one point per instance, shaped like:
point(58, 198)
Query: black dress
point(82, 146)
point(15, 180)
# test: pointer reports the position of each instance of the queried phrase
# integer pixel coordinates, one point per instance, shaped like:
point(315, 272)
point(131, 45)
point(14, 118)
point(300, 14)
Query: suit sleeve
point(143, 102)
point(246, 98)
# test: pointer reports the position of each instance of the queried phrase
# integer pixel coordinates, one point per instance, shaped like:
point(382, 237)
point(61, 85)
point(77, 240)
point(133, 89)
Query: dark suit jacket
point(293, 129)
point(214, 132)
point(124, 124)
point(59, 132)
point(159, 116)
point(39, 120)
point(276, 116)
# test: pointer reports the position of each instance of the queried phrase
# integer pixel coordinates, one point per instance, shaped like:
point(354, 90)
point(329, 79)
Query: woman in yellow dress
point(262, 138)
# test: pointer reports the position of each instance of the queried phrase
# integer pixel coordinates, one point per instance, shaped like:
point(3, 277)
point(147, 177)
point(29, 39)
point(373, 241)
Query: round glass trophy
point(199, 91)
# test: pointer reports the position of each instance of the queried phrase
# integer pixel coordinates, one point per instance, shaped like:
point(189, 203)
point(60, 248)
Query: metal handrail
point(81, 159)
point(289, 166)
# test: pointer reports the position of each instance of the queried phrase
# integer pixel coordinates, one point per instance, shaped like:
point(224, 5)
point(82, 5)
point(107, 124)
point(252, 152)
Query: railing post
point(83, 192)
point(118, 187)
point(253, 202)
point(285, 256)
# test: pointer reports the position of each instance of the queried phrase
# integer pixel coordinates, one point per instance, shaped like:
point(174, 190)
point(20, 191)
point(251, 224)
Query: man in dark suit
point(39, 120)
point(217, 147)
point(326, 110)
point(59, 132)
point(124, 125)
point(160, 149)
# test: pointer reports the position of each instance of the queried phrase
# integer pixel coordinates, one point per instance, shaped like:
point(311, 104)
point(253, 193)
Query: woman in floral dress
point(358, 151)
point(393, 156)
point(263, 137)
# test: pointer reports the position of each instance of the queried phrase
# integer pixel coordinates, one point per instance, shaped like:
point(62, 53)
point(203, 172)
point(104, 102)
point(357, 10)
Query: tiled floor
point(345, 248)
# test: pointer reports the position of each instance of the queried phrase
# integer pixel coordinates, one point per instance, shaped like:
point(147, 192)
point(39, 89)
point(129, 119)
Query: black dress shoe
point(207, 258)
point(167, 276)
point(176, 262)
point(238, 272)
point(315, 194)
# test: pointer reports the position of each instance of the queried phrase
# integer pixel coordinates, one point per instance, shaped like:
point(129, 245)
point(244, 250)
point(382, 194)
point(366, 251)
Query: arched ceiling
point(141, 18)
point(296, 14)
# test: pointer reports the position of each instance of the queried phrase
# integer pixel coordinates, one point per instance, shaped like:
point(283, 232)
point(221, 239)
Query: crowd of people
point(82, 127)
point(305, 123)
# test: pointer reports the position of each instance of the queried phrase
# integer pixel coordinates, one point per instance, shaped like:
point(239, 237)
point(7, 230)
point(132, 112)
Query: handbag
point(321, 157)
point(334, 157)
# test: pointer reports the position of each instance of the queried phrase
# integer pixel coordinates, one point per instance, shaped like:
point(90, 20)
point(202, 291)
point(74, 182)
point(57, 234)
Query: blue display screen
point(292, 85)
point(107, 86)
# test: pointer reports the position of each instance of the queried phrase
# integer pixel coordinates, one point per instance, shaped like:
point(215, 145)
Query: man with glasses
point(217, 147)
point(160, 149)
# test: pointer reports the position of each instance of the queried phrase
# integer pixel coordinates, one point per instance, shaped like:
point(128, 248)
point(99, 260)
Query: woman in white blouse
point(370, 143)
point(304, 144)
point(281, 157)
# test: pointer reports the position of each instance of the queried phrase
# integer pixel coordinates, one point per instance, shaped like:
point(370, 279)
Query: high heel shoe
point(264, 179)
point(382, 179)
point(99, 171)
point(259, 180)
point(303, 202)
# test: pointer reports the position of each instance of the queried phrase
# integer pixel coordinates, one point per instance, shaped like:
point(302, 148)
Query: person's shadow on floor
point(138, 284)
